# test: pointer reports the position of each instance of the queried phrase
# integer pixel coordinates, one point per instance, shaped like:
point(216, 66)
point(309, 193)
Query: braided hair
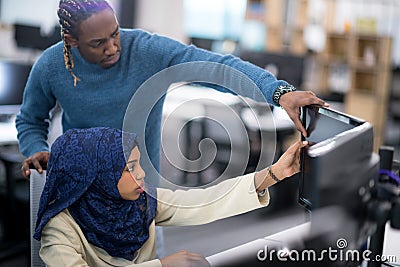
point(71, 14)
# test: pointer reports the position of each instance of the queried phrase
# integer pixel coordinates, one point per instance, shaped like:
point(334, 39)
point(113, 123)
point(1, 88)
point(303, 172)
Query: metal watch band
point(281, 90)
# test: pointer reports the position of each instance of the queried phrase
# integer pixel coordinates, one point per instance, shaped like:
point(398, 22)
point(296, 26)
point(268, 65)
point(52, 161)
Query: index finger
point(25, 168)
point(314, 100)
point(299, 125)
point(37, 165)
point(299, 144)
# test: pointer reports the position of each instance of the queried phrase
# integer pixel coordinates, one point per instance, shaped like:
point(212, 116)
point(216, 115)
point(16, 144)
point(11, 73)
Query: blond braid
point(71, 14)
point(69, 60)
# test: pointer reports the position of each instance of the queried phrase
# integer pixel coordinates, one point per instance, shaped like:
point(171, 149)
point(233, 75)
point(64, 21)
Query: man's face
point(99, 39)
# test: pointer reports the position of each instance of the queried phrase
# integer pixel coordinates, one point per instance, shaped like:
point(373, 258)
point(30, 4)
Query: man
point(94, 72)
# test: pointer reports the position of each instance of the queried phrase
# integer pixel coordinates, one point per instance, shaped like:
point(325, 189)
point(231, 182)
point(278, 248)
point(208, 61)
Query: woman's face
point(131, 184)
point(99, 39)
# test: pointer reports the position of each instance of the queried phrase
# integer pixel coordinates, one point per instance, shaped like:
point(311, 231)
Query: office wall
point(162, 16)
point(41, 13)
point(34, 12)
point(31, 12)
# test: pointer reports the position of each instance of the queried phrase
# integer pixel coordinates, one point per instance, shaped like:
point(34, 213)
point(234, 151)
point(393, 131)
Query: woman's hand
point(289, 163)
point(185, 259)
point(38, 161)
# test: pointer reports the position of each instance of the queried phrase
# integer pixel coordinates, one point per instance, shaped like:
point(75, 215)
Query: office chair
point(37, 182)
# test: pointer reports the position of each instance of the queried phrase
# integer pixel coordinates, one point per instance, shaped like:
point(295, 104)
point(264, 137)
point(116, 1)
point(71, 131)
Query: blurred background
point(346, 51)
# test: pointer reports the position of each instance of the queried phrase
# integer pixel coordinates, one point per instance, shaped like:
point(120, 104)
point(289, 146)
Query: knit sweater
point(102, 95)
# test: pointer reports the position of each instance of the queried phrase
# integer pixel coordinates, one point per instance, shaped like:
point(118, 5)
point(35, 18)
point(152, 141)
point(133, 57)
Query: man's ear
point(69, 39)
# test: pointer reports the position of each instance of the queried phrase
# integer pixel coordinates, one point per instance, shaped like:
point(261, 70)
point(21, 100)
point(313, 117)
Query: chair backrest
point(37, 182)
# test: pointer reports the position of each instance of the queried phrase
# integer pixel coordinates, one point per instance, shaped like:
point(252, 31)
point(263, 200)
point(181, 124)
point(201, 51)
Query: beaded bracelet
point(273, 176)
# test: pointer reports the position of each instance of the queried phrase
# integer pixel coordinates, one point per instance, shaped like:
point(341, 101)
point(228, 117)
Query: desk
point(249, 250)
point(8, 132)
point(391, 245)
point(292, 236)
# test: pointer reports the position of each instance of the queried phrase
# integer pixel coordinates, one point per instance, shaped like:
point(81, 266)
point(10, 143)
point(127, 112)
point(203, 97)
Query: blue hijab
point(83, 171)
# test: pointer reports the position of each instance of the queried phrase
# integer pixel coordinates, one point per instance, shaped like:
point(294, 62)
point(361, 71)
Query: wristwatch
point(262, 192)
point(281, 90)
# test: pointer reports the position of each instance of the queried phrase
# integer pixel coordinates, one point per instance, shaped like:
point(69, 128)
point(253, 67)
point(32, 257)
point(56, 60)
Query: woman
point(95, 209)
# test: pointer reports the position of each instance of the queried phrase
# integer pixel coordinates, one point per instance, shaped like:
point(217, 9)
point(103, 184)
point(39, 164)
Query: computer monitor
point(29, 36)
point(13, 78)
point(336, 170)
point(339, 146)
point(284, 66)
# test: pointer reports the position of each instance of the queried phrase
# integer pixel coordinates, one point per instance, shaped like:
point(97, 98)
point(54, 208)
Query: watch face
point(281, 90)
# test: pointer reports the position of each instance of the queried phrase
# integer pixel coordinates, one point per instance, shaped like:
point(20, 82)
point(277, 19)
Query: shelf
point(366, 82)
point(284, 32)
point(337, 46)
point(275, 12)
point(372, 50)
point(300, 9)
point(367, 58)
point(274, 39)
point(370, 108)
point(355, 65)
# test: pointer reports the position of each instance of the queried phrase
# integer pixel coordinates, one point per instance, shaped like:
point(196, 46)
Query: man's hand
point(185, 259)
point(292, 102)
point(38, 161)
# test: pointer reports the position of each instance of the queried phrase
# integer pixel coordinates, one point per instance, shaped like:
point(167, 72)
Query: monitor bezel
point(346, 118)
point(16, 75)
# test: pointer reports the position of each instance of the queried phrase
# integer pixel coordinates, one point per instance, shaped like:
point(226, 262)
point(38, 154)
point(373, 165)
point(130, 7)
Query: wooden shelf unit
point(285, 21)
point(368, 62)
point(358, 65)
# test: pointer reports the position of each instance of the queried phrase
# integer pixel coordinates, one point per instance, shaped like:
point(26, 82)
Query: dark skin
point(98, 42)
point(292, 103)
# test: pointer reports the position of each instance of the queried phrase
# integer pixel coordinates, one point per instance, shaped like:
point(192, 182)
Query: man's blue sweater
point(101, 96)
